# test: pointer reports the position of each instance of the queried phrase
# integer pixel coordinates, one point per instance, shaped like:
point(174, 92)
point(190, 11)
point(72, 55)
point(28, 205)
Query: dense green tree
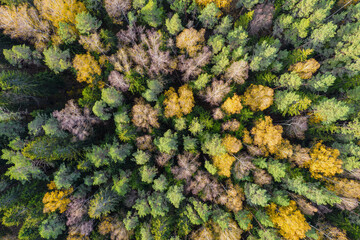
point(57, 60)
point(331, 110)
point(265, 55)
point(255, 195)
point(290, 102)
point(174, 24)
point(158, 204)
point(175, 195)
point(160, 184)
point(52, 227)
point(209, 15)
point(20, 55)
point(167, 143)
point(86, 23)
point(290, 81)
point(152, 14)
point(65, 177)
point(102, 204)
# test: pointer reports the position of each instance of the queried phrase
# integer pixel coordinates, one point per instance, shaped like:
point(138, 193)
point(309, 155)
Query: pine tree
point(65, 177)
point(20, 55)
point(102, 204)
point(57, 60)
point(148, 173)
point(167, 143)
point(86, 23)
point(158, 204)
point(265, 54)
point(174, 195)
point(290, 81)
point(51, 227)
point(291, 103)
point(152, 14)
point(208, 15)
point(331, 110)
point(22, 170)
point(173, 25)
point(255, 195)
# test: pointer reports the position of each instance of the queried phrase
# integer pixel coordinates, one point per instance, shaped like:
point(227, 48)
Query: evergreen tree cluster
point(179, 119)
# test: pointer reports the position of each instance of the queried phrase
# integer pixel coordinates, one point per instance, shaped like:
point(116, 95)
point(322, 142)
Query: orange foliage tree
point(232, 144)
point(265, 136)
point(219, 3)
point(306, 69)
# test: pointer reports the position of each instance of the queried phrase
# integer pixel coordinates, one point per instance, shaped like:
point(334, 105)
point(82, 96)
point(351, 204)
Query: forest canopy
point(179, 119)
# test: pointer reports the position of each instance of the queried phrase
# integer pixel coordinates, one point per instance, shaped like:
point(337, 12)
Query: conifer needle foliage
point(179, 119)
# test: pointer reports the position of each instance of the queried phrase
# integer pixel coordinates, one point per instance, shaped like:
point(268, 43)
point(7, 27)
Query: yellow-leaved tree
point(58, 11)
point(306, 69)
point(87, 68)
point(232, 105)
point(265, 136)
point(24, 22)
point(219, 3)
point(345, 187)
point(56, 199)
point(178, 104)
point(289, 220)
point(324, 161)
point(223, 163)
point(191, 40)
point(232, 144)
point(258, 97)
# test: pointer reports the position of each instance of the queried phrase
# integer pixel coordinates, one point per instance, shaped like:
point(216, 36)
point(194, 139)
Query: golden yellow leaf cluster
point(291, 223)
point(324, 161)
point(266, 135)
point(212, 231)
point(223, 163)
point(179, 104)
point(24, 22)
point(56, 199)
point(219, 3)
point(58, 11)
point(306, 69)
point(345, 187)
point(258, 97)
point(191, 40)
point(232, 105)
point(231, 143)
point(87, 67)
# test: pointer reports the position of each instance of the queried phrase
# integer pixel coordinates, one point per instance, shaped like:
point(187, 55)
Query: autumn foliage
point(178, 104)
point(179, 119)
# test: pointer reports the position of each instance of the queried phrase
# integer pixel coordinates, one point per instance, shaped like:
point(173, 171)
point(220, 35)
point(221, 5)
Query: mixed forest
point(179, 119)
